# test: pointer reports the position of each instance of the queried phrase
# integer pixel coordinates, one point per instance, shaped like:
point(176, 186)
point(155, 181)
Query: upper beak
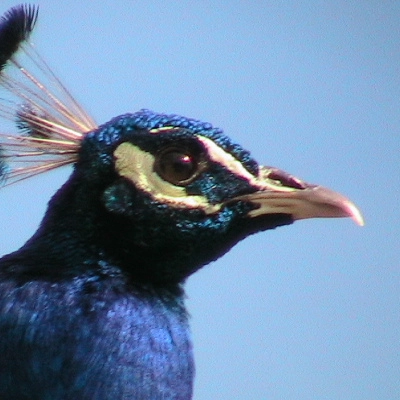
point(281, 193)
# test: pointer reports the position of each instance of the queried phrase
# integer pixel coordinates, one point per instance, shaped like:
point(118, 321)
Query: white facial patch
point(228, 161)
point(137, 166)
point(220, 156)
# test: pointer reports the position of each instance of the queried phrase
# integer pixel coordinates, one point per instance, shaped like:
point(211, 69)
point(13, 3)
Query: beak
point(281, 193)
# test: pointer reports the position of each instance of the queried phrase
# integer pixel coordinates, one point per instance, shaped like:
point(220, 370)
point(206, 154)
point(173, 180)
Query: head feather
point(51, 123)
point(15, 27)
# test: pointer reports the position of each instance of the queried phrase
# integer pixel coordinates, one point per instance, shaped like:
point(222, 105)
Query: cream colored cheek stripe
point(261, 182)
point(137, 165)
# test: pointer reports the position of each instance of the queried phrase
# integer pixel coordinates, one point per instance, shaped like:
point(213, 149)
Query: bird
point(92, 306)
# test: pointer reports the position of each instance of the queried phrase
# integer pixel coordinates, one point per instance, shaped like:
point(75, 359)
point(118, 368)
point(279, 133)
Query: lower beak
point(281, 193)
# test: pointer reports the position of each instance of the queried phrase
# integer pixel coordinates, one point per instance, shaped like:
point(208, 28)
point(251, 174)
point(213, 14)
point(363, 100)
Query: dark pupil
point(176, 167)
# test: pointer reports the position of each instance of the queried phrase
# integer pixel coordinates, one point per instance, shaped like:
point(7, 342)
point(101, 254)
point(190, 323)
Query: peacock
point(92, 306)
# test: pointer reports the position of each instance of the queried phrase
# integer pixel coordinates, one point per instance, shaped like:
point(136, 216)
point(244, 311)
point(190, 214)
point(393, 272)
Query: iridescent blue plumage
point(92, 306)
point(148, 120)
point(107, 264)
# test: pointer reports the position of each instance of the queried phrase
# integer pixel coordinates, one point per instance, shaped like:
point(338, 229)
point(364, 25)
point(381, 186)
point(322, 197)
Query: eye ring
point(179, 165)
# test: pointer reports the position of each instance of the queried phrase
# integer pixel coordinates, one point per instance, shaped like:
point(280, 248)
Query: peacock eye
point(177, 166)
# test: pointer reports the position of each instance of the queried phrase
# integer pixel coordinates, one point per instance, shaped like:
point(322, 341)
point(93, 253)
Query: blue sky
point(309, 311)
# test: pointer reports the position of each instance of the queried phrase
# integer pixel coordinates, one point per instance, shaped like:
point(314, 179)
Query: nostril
point(286, 179)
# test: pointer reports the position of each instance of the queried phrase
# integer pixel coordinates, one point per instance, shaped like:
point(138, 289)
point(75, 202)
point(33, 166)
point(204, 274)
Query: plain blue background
point(310, 311)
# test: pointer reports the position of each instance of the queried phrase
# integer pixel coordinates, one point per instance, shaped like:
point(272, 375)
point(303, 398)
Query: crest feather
point(15, 27)
point(51, 123)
